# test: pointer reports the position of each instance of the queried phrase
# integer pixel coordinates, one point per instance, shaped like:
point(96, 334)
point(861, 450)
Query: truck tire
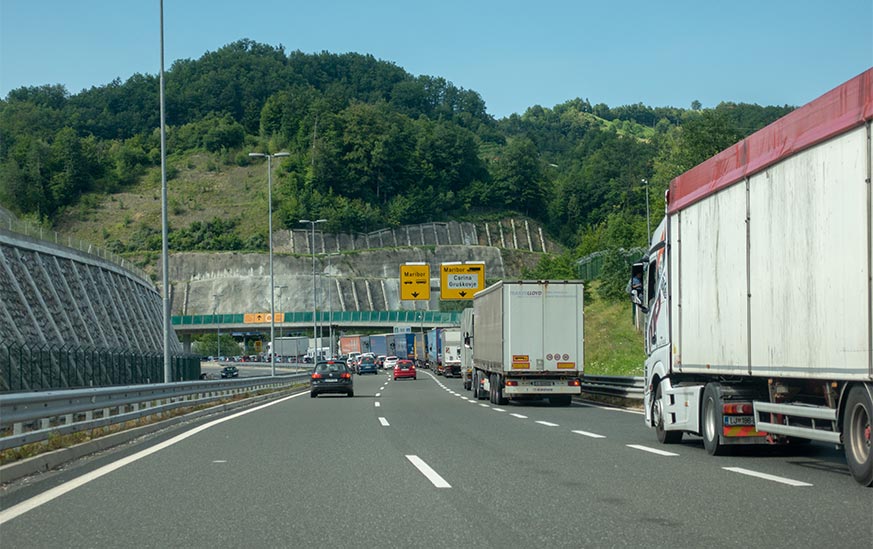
point(498, 392)
point(475, 386)
point(492, 397)
point(856, 434)
point(664, 436)
point(711, 419)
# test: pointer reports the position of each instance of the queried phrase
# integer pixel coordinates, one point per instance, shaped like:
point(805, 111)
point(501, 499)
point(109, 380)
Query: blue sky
point(515, 54)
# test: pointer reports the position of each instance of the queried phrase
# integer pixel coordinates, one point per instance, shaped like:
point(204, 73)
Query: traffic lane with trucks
point(814, 462)
point(766, 491)
point(415, 464)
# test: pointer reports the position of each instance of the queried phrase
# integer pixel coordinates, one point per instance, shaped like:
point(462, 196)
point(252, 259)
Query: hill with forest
point(370, 146)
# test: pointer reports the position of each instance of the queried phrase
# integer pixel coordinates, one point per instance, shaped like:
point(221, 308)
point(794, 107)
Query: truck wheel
point(664, 436)
point(491, 396)
point(857, 436)
point(498, 392)
point(711, 419)
point(475, 385)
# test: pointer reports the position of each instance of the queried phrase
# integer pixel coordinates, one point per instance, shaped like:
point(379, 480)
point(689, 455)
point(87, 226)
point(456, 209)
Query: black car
point(331, 377)
point(230, 371)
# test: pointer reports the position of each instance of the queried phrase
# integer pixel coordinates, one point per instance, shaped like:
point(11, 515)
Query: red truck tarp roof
point(843, 108)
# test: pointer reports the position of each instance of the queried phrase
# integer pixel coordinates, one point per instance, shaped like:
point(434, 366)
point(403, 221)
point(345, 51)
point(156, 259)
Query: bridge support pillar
point(186, 343)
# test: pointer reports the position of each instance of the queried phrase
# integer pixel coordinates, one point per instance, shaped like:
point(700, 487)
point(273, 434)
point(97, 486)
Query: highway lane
point(335, 471)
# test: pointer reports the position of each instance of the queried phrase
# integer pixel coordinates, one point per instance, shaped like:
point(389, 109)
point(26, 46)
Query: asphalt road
point(416, 464)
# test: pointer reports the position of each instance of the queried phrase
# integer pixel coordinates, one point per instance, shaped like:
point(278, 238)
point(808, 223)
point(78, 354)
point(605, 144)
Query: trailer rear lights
point(738, 409)
point(511, 383)
point(575, 383)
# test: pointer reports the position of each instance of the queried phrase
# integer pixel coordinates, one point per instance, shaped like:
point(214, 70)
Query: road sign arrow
point(462, 294)
point(414, 294)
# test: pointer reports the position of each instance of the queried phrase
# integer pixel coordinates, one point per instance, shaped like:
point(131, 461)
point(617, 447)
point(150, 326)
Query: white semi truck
point(451, 346)
point(467, 330)
point(757, 288)
point(528, 341)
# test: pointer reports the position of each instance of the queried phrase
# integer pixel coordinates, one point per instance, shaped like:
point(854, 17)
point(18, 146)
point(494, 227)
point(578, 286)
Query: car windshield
point(330, 367)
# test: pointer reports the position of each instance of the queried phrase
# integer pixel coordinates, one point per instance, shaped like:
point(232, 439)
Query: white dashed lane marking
point(378, 404)
point(765, 476)
point(587, 434)
point(652, 450)
point(519, 416)
point(384, 422)
point(548, 424)
point(428, 472)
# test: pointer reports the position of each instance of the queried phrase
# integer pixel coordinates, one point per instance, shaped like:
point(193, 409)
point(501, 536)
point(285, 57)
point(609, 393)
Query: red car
point(404, 368)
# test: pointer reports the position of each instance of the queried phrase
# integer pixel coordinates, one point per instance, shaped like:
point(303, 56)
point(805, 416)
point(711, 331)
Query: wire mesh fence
point(45, 367)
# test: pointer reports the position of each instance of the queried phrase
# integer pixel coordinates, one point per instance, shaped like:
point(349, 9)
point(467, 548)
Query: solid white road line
point(519, 416)
point(378, 404)
point(652, 450)
point(426, 470)
point(765, 476)
point(587, 434)
point(383, 421)
point(547, 424)
point(56, 492)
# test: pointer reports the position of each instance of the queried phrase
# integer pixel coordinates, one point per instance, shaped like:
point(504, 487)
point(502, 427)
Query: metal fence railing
point(26, 418)
point(614, 386)
point(35, 231)
point(45, 367)
point(589, 267)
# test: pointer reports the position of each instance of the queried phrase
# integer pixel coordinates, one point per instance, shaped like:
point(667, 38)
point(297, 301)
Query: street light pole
point(217, 326)
point(314, 295)
point(270, 158)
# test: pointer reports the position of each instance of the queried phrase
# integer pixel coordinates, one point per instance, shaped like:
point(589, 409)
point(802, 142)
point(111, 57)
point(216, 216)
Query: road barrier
point(615, 386)
point(26, 418)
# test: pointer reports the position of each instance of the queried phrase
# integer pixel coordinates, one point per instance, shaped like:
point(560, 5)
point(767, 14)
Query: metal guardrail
point(615, 386)
point(26, 418)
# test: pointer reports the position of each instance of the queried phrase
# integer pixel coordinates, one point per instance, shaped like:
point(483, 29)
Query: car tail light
point(575, 383)
point(346, 375)
point(316, 376)
point(511, 383)
point(738, 409)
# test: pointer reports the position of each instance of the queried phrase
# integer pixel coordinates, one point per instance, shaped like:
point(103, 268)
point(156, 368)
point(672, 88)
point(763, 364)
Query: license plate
point(331, 380)
point(542, 383)
point(739, 420)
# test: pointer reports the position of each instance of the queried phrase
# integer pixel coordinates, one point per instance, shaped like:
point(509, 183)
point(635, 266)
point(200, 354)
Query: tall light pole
point(165, 231)
point(314, 295)
point(217, 326)
point(648, 225)
point(270, 158)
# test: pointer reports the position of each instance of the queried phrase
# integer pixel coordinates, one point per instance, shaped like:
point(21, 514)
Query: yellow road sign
point(461, 280)
point(415, 282)
point(260, 318)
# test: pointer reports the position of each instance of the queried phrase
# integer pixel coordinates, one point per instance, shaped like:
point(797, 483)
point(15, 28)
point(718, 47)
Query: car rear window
point(404, 364)
point(330, 367)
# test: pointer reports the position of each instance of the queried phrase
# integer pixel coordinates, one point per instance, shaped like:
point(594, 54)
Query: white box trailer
point(528, 341)
point(467, 331)
point(451, 346)
point(757, 287)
